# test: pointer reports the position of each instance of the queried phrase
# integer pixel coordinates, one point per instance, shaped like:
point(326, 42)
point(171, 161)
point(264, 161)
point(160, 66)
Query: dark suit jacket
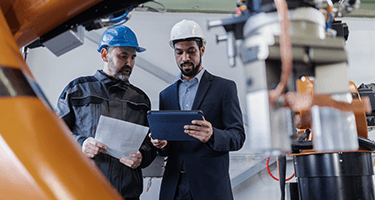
point(206, 164)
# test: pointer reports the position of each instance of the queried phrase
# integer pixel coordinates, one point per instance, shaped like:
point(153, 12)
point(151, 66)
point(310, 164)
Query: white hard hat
point(186, 29)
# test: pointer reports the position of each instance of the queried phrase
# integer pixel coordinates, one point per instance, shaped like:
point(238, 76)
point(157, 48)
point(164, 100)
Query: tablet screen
point(169, 124)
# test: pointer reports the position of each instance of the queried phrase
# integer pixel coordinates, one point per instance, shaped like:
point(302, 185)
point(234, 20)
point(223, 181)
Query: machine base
point(335, 176)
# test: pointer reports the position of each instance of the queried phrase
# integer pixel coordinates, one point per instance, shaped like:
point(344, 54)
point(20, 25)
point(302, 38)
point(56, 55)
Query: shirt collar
point(198, 76)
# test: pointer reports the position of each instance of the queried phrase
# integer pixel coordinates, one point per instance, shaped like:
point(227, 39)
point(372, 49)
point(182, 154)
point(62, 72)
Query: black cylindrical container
point(335, 176)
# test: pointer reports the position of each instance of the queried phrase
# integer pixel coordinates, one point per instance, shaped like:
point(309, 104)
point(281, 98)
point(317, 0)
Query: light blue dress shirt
point(188, 89)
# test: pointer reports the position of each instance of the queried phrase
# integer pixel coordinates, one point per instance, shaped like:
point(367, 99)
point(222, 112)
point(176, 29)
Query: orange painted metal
point(44, 156)
point(306, 86)
point(8, 57)
point(30, 19)
point(360, 118)
point(39, 159)
point(16, 182)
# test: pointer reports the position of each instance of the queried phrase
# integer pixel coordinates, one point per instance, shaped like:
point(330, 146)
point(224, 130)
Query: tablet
point(169, 124)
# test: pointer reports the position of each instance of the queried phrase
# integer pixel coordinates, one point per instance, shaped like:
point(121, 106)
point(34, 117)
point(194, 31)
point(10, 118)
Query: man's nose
point(185, 56)
point(128, 61)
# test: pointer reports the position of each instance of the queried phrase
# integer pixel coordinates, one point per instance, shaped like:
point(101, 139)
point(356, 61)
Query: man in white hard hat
point(199, 170)
point(109, 93)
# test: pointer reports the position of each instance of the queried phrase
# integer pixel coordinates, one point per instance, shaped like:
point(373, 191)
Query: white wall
point(360, 49)
point(53, 73)
point(152, 30)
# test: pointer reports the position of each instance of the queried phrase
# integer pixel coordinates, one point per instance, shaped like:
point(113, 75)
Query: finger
point(88, 145)
point(129, 163)
point(95, 149)
point(90, 155)
point(92, 141)
point(102, 150)
point(190, 127)
point(92, 149)
point(197, 122)
point(201, 123)
point(125, 162)
point(162, 144)
point(193, 133)
point(188, 131)
point(196, 134)
point(159, 143)
point(100, 145)
point(156, 143)
point(136, 155)
point(89, 152)
point(154, 140)
point(139, 157)
point(196, 128)
point(201, 135)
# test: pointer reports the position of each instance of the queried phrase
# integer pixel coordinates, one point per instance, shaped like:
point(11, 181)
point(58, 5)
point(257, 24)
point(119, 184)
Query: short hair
point(196, 39)
point(109, 49)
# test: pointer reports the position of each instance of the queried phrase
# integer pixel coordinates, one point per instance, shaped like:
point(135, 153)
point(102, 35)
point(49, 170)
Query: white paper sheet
point(121, 137)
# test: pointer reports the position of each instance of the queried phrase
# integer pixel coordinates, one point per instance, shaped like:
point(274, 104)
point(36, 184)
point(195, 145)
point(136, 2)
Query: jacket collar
point(203, 87)
point(109, 81)
point(198, 76)
point(202, 90)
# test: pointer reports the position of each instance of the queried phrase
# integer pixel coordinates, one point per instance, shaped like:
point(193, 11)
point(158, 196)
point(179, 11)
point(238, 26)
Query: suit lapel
point(202, 90)
point(174, 96)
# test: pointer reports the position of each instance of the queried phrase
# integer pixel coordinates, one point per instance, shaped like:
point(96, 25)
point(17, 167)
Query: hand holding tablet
point(169, 124)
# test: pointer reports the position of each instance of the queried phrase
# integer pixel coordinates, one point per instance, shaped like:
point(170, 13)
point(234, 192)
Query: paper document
point(121, 137)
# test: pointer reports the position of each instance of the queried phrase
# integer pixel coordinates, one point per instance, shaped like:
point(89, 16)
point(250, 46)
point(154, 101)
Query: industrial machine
point(282, 43)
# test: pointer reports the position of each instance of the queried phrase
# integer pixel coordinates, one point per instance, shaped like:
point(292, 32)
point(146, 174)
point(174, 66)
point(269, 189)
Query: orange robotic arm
point(38, 157)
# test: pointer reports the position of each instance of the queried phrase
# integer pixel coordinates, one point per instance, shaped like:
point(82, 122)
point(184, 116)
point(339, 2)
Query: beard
point(123, 74)
point(190, 72)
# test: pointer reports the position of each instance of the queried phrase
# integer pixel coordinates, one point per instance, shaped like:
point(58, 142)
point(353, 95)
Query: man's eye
point(178, 52)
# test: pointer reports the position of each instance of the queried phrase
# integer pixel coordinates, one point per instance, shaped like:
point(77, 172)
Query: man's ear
point(203, 48)
point(104, 54)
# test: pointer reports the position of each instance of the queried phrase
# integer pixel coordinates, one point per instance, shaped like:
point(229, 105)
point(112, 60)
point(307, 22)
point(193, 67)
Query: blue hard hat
point(119, 36)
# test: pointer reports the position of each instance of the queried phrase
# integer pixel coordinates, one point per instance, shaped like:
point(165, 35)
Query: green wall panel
point(215, 6)
point(367, 7)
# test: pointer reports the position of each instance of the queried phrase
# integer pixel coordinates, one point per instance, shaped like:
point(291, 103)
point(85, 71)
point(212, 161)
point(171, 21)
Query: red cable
point(269, 172)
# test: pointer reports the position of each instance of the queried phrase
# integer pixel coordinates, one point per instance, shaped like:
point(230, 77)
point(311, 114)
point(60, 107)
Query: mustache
point(126, 67)
point(186, 63)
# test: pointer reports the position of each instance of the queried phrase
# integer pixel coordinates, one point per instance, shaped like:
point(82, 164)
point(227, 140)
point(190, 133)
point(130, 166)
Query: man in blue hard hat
point(108, 92)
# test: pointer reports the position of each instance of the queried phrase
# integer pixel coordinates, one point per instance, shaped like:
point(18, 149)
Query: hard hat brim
point(137, 48)
point(140, 49)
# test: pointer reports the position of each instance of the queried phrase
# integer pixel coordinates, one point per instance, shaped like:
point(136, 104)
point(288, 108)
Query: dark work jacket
point(206, 164)
point(80, 106)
